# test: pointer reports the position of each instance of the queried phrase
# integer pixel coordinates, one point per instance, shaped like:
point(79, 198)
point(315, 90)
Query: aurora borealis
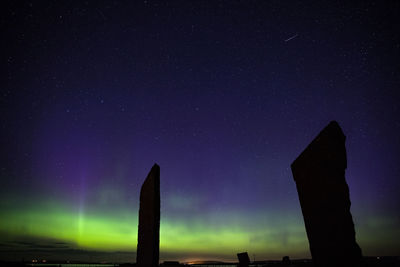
point(94, 93)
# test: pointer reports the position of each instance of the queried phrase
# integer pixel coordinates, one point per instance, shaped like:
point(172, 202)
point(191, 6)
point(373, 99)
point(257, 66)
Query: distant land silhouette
point(319, 173)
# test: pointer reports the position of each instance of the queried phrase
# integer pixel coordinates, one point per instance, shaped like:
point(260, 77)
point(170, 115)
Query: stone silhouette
point(244, 259)
point(286, 260)
point(319, 173)
point(149, 220)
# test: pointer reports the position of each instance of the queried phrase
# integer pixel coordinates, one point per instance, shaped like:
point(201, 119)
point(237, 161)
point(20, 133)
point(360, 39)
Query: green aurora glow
point(191, 238)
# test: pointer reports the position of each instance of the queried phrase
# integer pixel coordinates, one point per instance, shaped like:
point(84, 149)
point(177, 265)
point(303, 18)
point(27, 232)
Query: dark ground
point(368, 261)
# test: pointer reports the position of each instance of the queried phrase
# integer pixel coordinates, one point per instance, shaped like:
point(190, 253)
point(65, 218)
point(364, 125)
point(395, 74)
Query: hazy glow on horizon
point(194, 238)
point(56, 223)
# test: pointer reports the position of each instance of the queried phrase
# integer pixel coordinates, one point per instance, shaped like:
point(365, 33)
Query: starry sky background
point(94, 93)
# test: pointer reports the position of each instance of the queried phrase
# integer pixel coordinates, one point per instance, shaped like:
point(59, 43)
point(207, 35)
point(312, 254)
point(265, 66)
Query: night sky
point(223, 95)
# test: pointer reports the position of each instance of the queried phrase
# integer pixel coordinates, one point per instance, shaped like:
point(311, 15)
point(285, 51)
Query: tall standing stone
point(319, 173)
point(149, 220)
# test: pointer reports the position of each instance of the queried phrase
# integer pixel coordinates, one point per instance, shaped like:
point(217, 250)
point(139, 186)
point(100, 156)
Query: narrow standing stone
point(325, 201)
point(149, 220)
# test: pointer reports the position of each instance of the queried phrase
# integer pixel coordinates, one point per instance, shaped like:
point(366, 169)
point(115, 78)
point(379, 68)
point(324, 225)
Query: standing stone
point(325, 201)
point(244, 259)
point(149, 220)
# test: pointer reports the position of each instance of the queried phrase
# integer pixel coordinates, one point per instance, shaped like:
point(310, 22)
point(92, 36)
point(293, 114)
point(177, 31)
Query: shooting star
point(292, 37)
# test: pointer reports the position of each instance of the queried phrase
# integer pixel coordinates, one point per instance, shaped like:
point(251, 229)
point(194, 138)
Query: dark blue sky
point(93, 93)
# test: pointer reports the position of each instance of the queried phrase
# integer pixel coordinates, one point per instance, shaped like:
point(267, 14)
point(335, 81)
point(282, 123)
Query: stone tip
point(334, 123)
point(155, 166)
point(333, 129)
point(330, 138)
